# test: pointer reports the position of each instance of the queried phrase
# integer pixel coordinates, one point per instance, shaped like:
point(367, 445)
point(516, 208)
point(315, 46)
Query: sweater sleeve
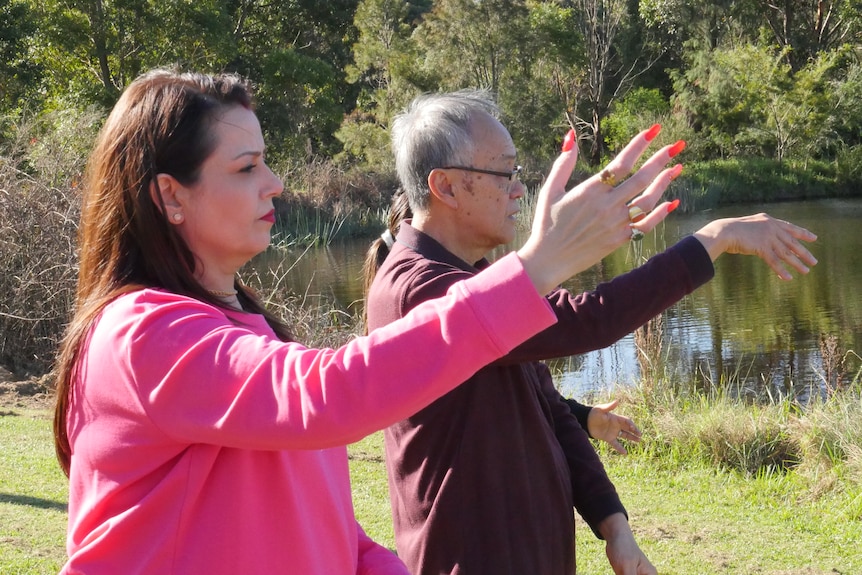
point(201, 378)
point(593, 493)
point(596, 319)
point(580, 411)
point(374, 559)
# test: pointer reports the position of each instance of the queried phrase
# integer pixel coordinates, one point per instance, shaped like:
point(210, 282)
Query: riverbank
point(694, 505)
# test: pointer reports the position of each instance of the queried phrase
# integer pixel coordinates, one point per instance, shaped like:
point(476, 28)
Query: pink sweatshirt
point(203, 445)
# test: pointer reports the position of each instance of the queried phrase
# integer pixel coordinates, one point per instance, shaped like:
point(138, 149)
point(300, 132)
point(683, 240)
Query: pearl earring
point(177, 217)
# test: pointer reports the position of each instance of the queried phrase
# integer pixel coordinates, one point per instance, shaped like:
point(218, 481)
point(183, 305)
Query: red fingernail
point(672, 206)
point(569, 140)
point(653, 132)
point(676, 148)
point(675, 172)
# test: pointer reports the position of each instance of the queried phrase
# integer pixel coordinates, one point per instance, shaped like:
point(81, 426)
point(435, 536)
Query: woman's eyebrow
point(254, 153)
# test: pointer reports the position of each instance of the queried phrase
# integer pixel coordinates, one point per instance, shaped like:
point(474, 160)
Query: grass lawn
point(33, 494)
point(690, 519)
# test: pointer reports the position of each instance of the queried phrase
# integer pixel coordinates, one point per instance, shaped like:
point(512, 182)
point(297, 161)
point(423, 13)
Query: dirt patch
point(31, 393)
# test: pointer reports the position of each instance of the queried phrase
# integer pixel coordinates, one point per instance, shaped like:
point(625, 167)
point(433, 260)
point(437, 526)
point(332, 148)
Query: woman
point(198, 437)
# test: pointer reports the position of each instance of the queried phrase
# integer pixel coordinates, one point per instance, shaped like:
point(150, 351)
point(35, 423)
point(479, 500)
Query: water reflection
point(746, 326)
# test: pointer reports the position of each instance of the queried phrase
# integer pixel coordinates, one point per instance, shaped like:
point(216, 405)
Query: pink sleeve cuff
point(511, 309)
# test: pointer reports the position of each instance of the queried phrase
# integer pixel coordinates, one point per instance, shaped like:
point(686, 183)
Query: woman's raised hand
point(776, 242)
point(574, 229)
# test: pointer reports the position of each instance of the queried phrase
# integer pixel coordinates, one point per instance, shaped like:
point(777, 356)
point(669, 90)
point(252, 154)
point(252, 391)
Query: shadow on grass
point(32, 501)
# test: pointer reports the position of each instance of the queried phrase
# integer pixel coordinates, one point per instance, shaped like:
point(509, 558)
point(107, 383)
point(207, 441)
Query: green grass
point(696, 519)
point(33, 495)
point(690, 514)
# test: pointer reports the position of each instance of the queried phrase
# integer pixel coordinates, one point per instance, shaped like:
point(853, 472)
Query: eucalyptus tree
point(612, 69)
point(702, 24)
point(807, 28)
point(294, 51)
point(748, 101)
point(539, 94)
point(523, 51)
point(800, 28)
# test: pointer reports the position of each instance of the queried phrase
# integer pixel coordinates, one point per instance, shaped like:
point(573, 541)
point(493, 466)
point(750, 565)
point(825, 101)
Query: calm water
point(746, 326)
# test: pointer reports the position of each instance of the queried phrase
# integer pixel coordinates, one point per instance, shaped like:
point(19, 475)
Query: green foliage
point(93, 48)
point(465, 54)
point(296, 53)
point(298, 105)
point(330, 75)
point(750, 180)
point(847, 94)
point(747, 101)
point(383, 68)
point(640, 108)
point(19, 74)
point(536, 98)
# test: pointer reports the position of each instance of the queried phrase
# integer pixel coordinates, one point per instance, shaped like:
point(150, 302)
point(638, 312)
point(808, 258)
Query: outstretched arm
point(776, 242)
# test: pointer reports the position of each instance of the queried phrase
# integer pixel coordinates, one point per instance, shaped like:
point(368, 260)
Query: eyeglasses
point(511, 176)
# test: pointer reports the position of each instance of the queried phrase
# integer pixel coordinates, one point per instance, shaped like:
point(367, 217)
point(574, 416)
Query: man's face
point(487, 204)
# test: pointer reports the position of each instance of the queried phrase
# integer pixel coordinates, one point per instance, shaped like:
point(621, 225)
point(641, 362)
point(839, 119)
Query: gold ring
point(608, 178)
point(636, 214)
point(637, 235)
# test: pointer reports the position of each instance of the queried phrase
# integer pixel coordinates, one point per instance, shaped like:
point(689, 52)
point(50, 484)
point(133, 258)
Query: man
point(483, 480)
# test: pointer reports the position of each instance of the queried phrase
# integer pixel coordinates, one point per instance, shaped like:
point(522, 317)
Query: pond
point(746, 330)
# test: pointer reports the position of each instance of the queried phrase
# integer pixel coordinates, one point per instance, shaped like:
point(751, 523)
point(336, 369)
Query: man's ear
point(441, 188)
point(167, 187)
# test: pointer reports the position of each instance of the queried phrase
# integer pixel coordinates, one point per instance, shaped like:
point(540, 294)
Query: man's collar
point(431, 249)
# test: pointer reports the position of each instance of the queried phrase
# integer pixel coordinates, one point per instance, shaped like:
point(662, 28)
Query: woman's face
point(228, 212)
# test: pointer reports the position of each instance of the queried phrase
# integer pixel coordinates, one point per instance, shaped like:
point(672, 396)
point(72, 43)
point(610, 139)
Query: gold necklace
point(218, 293)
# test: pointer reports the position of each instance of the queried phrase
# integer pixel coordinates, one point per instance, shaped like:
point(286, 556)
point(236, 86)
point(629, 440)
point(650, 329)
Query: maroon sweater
point(483, 480)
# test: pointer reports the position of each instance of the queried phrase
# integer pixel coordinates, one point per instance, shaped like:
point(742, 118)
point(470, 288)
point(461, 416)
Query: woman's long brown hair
point(162, 123)
point(399, 210)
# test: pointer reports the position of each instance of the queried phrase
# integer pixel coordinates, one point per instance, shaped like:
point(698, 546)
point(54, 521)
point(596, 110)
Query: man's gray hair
point(434, 132)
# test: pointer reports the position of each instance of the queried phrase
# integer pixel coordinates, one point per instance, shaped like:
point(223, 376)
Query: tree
point(749, 101)
point(605, 25)
point(384, 69)
point(807, 28)
point(470, 43)
point(295, 52)
point(18, 73)
point(706, 24)
point(94, 48)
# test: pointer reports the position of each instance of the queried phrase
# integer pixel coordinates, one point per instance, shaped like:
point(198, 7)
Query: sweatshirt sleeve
point(598, 318)
point(593, 493)
point(374, 559)
point(202, 378)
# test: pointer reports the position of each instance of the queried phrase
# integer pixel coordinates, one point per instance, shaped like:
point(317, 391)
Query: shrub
point(37, 231)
